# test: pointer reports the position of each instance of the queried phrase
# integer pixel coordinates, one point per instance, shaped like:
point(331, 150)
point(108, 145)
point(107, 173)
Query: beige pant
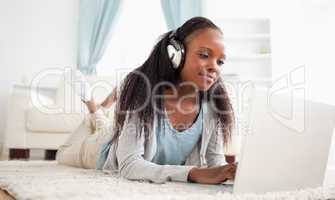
point(83, 146)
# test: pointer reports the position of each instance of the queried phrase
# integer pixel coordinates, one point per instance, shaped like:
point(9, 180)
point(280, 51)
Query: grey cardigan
point(131, 156)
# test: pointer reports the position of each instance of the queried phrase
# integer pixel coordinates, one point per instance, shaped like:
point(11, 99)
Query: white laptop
point(282, 153)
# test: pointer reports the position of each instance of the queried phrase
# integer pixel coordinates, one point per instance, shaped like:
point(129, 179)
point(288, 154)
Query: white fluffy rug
point(45, 180)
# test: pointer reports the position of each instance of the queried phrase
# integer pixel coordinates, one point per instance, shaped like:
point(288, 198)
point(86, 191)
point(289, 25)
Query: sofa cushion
point(37, 121)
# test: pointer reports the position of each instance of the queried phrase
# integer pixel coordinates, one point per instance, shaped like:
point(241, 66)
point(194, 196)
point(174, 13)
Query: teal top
point(173, 147)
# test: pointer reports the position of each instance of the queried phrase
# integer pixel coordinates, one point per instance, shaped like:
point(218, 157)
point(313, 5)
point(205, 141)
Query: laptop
point(282, 153)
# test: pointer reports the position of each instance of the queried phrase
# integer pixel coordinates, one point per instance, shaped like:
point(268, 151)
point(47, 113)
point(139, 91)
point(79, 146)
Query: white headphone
point(176, 51)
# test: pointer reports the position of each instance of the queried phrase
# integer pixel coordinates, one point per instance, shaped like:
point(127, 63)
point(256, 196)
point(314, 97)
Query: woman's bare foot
point(79, 84)
point(108, 102)
point(91, 106)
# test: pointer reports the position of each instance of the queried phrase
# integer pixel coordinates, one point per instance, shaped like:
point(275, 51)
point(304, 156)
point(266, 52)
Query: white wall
point(302, 34)
point(126, 33)
point(309, 42)
point(35, 35)
point(237, 8)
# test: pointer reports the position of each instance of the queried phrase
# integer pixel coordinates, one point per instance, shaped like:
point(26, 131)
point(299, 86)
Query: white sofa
point(29, 126)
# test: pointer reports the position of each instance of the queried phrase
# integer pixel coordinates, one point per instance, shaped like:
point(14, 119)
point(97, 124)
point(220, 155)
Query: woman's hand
point(213, 175)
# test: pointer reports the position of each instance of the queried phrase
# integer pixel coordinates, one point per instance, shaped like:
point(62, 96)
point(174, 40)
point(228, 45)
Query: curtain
point(96, 20)
point(176, 12)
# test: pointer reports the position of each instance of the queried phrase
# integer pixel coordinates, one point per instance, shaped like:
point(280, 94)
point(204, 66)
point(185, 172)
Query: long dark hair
point(136, 90)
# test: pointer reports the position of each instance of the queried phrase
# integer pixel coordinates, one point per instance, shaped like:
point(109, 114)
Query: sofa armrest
point(19, 101)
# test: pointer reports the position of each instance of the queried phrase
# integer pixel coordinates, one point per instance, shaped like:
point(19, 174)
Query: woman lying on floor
point(171, 118)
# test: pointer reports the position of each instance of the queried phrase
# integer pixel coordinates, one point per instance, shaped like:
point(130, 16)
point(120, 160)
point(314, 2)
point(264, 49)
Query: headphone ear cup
point(176, 53)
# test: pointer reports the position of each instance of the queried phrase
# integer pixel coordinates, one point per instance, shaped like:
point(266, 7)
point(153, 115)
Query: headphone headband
point(172, 34)
point(176, 51)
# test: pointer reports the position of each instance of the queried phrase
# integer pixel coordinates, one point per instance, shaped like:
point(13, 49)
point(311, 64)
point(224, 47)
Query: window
point(135, 32)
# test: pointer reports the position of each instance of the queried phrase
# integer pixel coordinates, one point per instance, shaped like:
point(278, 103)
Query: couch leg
point(50, 154)
point(15, 154)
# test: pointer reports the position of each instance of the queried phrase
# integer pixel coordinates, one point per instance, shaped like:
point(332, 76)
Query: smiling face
point(204, 58)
